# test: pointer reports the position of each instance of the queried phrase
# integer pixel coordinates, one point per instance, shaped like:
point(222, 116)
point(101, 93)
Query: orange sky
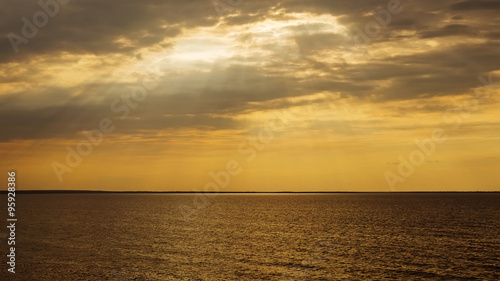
point(292, 95)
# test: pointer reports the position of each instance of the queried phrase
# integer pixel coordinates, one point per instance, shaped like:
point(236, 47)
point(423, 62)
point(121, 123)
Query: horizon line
point(50, 191)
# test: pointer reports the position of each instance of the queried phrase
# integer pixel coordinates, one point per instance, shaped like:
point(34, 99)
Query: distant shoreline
point(229, 192)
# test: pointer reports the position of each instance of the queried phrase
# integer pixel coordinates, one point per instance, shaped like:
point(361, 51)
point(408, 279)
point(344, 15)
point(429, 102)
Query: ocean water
point(445, 236)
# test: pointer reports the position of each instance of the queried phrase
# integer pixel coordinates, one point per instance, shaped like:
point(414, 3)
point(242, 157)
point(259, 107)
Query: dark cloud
point(320, 41)
point(68, 121)
point(200, 98)
point(95, 27)
point(476, 5)
point(449, 30)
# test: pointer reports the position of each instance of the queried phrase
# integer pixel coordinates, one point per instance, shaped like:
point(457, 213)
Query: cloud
point(476, 5)
point(266, 52)
point(449, 30)
point(100, 27)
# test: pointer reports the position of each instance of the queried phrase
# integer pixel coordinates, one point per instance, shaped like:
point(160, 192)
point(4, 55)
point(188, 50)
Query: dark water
point(257, 237)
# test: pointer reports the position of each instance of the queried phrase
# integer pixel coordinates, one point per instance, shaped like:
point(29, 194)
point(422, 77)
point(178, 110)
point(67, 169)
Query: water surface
point(432, 236)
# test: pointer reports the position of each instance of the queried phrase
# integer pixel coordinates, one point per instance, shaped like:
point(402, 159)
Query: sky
point(240, 95)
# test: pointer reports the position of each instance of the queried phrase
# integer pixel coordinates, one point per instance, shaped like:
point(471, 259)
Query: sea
point(338, 236)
